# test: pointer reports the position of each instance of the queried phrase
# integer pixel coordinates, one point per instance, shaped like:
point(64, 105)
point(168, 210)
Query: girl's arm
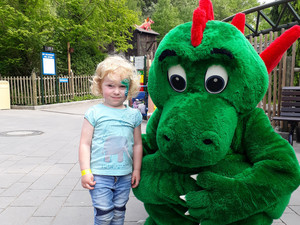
point(87, 180)
point(137, 157)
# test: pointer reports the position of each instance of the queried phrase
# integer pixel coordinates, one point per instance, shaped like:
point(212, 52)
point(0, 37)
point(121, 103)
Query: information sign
point(48, 63)
point(139, 62)
point(63, 80)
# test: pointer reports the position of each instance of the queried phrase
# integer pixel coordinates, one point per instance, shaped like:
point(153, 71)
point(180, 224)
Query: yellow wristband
point(84, 172)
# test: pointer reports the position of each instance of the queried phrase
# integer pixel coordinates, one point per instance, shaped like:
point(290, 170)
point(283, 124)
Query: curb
point(49, 106)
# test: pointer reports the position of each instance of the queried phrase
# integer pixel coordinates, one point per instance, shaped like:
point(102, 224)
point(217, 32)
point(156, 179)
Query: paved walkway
point(39, 170)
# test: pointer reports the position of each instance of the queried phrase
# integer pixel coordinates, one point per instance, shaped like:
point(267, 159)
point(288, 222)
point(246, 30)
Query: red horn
point(272, 54)
point(239, 21)
point(200, 17)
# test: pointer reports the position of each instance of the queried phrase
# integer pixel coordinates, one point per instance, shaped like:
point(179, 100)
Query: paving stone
point(75, 171)
point(40, 221)
point(295, 198)
point(75, 216)
point(59, 169)
point(288, 210)
point(9, 179)
point(4, 157)
point(296, 209)
point(47, 181)
point(290, 219)
point(31, 177)
point(6, 201)
point(79, 198)
point(78, 186)
point(135, 210)
point(16, 215)
point(43, 186)
point(31, 198)
point(50, 207)
point(15, 189)
point(61, 191)
point(44, 167)
point(69, 157)
point(69, 181)
point(278, 222)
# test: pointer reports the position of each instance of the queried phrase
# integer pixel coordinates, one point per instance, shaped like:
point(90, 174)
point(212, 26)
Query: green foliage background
point(91, 26)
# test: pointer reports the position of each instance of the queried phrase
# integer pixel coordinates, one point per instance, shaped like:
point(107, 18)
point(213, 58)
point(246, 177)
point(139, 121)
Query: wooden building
point(143, 42)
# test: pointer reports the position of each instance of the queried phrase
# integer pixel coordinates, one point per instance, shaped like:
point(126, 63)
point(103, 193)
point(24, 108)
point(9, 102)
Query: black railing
point(275, 25)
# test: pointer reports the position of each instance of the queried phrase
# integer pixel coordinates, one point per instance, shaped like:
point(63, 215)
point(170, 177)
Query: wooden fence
point(282, 75)
point(35, 90)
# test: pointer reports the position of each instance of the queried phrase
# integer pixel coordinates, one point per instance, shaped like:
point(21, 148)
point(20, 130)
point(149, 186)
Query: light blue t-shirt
point(111, 149)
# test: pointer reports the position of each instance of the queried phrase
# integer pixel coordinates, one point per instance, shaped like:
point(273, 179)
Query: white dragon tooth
point(194, 176)
point(187, 213)
point(182, 197)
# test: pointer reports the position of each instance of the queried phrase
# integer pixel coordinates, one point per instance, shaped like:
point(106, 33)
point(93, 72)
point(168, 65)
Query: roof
point(146, 31)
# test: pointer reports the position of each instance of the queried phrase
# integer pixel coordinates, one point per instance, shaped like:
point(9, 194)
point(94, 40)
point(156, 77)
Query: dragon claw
point(187, 213)
point(194, 176)
point(182, 197)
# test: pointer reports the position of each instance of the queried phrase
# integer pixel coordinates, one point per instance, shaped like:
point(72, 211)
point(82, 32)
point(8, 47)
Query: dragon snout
point(195, 133)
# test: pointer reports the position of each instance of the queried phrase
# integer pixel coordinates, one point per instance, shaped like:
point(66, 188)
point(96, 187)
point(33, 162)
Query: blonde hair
point(112, 66)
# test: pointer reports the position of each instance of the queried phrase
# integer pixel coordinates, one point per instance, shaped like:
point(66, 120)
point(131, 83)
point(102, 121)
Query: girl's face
point(113, 92)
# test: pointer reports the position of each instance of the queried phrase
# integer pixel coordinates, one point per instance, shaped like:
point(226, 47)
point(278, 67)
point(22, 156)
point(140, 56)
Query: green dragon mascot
point(210, 156)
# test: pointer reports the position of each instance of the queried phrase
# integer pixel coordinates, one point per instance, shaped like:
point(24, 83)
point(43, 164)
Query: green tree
point(149, 7)
point(226, 8)
point(167, 14)
point(136, 6)
point(287, 17)
point(90, 26)
point(25, 26)
point(186, 9)
point(166, 17)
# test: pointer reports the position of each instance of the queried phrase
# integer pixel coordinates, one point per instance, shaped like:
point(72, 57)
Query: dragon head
point(204, 76)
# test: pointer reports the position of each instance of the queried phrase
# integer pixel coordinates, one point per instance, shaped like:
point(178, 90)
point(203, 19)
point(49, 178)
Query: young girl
point(110, 151)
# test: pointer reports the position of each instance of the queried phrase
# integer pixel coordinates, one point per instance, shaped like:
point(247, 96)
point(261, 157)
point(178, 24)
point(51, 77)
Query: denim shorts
point(109, 199)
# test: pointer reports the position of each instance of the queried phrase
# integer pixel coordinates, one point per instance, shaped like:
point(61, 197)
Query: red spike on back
point(200, 17)
point(239, 21)
point(272, 55)
point(208, 8)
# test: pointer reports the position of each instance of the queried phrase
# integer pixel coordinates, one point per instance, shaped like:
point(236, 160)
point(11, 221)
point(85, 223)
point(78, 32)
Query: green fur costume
point(211, 156)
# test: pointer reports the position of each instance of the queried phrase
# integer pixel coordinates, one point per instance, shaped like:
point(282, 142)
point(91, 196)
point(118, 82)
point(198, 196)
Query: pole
point(145, 73)
point(42, 81)
point(69, 59)
point(34, 88)
point(57, 83)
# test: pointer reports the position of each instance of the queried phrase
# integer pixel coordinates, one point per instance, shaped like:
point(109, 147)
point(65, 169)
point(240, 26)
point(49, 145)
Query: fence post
point(34, 87)
point(72, 84)
point(288, 78)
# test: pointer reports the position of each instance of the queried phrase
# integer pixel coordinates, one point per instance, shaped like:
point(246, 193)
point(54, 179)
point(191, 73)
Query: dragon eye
point(177, 78)
point(216, 79)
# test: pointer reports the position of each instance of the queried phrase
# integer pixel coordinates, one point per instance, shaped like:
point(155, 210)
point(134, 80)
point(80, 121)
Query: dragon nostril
point(166, 137)
point(207, 141)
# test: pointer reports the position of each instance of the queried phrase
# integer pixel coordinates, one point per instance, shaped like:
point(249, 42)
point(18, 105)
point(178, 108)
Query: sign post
point(48, 67)
point(140, 65)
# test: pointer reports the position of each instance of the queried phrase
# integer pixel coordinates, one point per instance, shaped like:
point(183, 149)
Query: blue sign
point(63, 80)
point(48, 63)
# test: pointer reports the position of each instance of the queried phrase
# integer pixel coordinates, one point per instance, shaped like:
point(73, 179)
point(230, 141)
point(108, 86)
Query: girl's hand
point(135, 180)
point(87, 181)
